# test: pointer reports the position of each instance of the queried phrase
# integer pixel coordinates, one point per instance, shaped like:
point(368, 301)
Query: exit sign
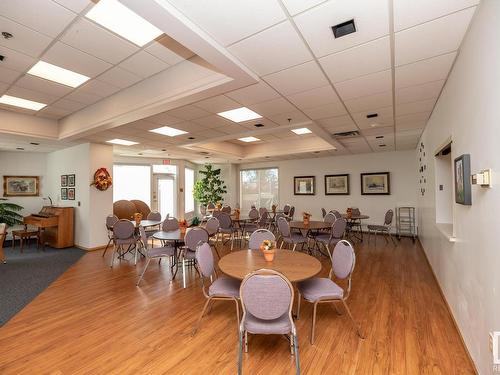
point(166, 161)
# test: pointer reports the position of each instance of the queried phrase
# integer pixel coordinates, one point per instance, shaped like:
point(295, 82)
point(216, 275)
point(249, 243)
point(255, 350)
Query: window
point(259, 187)
point(132, 182)
point(188, 190)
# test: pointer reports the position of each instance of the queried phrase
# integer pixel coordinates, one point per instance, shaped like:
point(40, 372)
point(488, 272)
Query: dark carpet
point(26, 275)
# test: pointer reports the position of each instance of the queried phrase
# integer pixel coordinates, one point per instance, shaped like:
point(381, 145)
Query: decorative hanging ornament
point(102, 179)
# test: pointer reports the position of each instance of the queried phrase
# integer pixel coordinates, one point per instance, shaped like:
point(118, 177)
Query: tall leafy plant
point(210, 188)
point(9, 213)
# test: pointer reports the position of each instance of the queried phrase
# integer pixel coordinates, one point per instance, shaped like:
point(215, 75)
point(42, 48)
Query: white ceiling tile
point(188, 112)
point(96, 41)
point(294, 116)
point(298, 78)
point(75, 5)
point(16, 60)
point(119, 77)
point(367, 58)
point(297, 6)
point(8, 75)
point(44, 16)
point(314, 98)
point(432, 38)
point(230, 21)
point(324, 111)
point(414, 118)
point(262, 121)
point(25, 40)
point(371, 19)
point(260, 54)
point(24, 93)
point(419, 92)
point(234, 129)
point(69, 105)
point(415, 107)
point(217, 104)
point(164, 119)
point(369, 102)
point(374, 132)
point(385, 118)
point(365, 85)
point(53, 112)
point(98, 88)
point(143, 64)
point(67, 57)
point(209, 133)
point(213, 121)
point(83, 97)
point(411, 125)
point(42, 85)
point(259, 92)
point(273, 107)
point(409, 13)
point(340, 123)
point(433, 69)
point(163, 53)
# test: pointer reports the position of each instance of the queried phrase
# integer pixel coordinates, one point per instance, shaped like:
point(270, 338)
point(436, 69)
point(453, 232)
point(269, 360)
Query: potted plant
point(268, 248)
point(210, 188)
point(9, 213)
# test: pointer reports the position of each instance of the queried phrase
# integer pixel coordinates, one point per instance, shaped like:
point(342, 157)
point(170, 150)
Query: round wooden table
point(294, 265)
point(313, 225)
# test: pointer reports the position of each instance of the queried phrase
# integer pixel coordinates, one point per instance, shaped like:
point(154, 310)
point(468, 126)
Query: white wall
point(401, 165)
point(468, 111)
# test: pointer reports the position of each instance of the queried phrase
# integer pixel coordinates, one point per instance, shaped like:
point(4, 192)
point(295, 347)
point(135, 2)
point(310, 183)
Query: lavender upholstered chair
point(287, 236)
point(192, 239)
point(336, 214)
point(322, 290)
point(336, 234)
point(222, 288)
point(154, 253)
point(124, 235)
point(110, 221)
point(227, 227)
point(251, 225)
point(226, 209)
point(267, 298)
point(258, 236)
point(286, 209)
point(154, 215)
point(290, 214)
point(323, 212)
point(170, 224)
point(384, 228)
point(212, 228)
point(262, 210)
point(329, 218)
point(210, 206)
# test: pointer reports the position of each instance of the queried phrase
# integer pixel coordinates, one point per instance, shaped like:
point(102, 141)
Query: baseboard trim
point(91, 248)
point(448, 307)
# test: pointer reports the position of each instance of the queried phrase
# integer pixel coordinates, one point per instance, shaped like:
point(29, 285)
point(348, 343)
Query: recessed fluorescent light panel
point(167, 130)
point(301, 131)
point(122, 142)
point(57, 74)
point(121, 20)
point(240, 114)
point(249, 139)
point(21, 103)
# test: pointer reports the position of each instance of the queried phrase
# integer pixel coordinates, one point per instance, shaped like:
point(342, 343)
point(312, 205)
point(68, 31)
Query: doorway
point(164, 195)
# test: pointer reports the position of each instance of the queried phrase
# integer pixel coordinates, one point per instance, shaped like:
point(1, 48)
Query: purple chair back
point(170, 224)
point(154, 215)
point(336, 214)
point(226, 209)
point(291, 212)
point(210, 206)
point(111, 221)
point(355, 211)
point(123, 229)
point(323, 212)
point(263, 218)
point(205, 259)
point(388, 217)
point(225, 221)
point(253, 214)
point(194, 236)
point(343, 259)
point(258, 236)
point(212, 226)
point(338, 228)
point(286, 209)
point(262, 210)
point(266, 294)
point(283, 227)
point(329, 218)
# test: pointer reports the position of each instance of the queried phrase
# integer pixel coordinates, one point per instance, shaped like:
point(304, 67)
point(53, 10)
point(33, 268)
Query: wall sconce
point(482, 178)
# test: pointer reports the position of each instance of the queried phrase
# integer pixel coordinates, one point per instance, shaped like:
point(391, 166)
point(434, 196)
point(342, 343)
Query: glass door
point(164, 195)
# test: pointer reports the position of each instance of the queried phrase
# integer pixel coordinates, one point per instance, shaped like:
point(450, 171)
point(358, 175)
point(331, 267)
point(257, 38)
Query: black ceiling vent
point(258, 125)
point(381, 145)
point(372, 115)
point(379, 136)
point(2, 57)
point(352, 133)
point(204, 153)
point(344, 28)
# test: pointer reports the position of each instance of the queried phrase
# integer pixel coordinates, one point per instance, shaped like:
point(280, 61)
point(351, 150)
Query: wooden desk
point(57, 226)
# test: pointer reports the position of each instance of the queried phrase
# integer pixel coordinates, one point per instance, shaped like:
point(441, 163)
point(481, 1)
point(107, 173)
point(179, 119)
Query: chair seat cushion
point(295, 238)
point(325, 238)
point(158, 252)
point(279, 326)
point(127, 241)
point(225, 287)
point(188, 254)
point(380, 228)
point(319, 288)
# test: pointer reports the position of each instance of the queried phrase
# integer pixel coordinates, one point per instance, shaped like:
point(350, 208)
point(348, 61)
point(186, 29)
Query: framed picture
point(64, 194)
point(304, 185)
point(71, 194)
point(462, 180)
point(71, 180)
point(337, 184)
point(375, 183)
point(21, 186)
point(64, 180)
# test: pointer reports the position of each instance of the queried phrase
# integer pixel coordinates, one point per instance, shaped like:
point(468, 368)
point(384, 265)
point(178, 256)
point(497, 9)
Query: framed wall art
point(337, 184)
point(462, 180)
point(304, 185)
point(64, 180)
point(378, 183)
point(21, 186)
point(71, 194)
point(71, 180)
point(64, 194)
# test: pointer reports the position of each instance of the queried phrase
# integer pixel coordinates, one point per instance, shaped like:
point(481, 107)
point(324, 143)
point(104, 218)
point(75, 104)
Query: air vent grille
point(349, 134)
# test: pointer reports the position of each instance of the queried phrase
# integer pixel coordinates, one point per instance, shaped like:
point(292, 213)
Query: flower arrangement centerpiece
point(137, 218)
point(268, 248)
point(183, 225)
point(306, 216)
point(349, 212)
point(237, 213)
point(273, 208)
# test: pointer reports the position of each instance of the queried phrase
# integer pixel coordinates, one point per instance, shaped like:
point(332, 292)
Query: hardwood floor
point(94, 320)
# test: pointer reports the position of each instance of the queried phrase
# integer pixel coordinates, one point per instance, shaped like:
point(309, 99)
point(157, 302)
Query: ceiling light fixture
point(248, 139)
point(116, 17)
point(57, 74)
point(240, 114)
point(167, 130)
point(301, 131)
point(22, 103)
point(122, 142)
point(344, 28)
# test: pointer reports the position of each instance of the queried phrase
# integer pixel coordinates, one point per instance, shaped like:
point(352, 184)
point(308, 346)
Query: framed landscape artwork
point(462, 180)
point(64, 194)
point(304, 185)
point(375, 183)
point(21, 186)
point(337, 184)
